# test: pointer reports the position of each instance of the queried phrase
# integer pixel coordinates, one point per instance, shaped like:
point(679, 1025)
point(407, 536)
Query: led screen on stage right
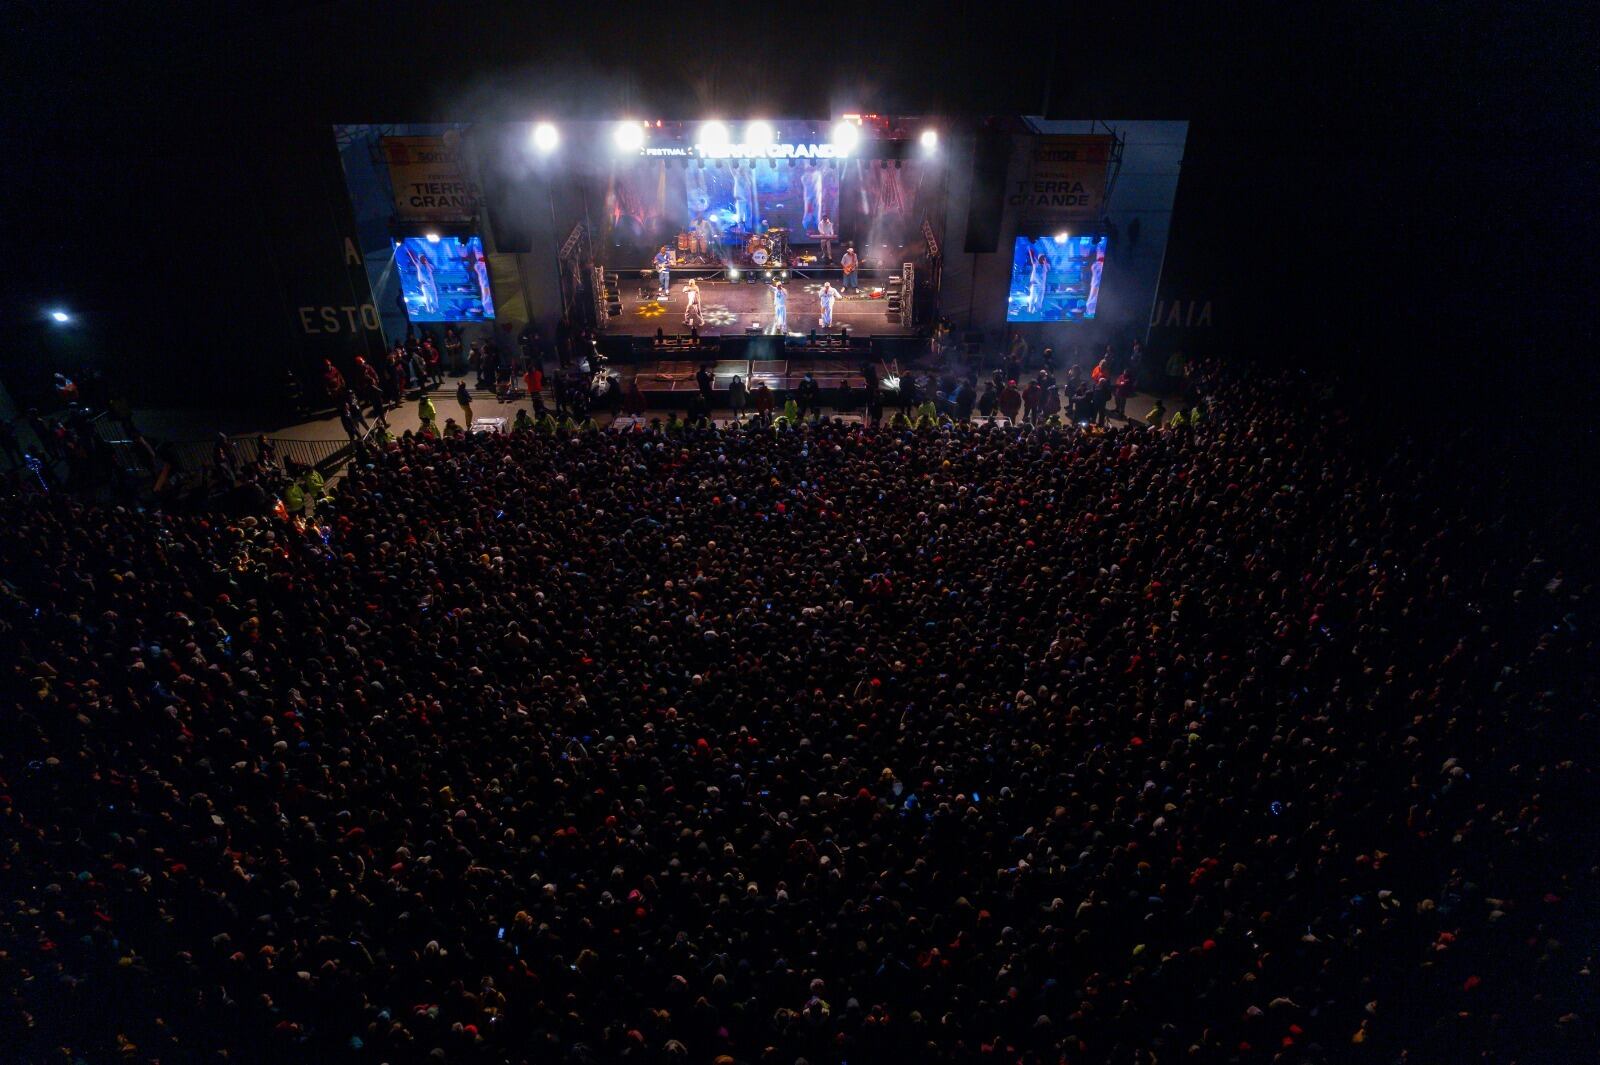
point(1055, 278)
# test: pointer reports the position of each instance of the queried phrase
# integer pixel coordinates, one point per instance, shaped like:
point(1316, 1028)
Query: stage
point(734, 308)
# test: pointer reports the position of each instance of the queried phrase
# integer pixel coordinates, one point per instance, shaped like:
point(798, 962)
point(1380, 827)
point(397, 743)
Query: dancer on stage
point(1038, 272)
point(826, 298)
point(693, 317)
point(780, 309)
point(663, 271)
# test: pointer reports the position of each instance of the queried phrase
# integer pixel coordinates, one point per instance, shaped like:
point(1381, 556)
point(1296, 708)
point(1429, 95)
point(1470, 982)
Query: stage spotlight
point(629, 136)
point(845, 137)
point(733, 273)
point(545, 137)
point(433, 238)
point(758, 135)
point(714, 135)
point(783, 273)
point(1061, 238)
point(930, 140)
point(769, 273)
point(60, 317)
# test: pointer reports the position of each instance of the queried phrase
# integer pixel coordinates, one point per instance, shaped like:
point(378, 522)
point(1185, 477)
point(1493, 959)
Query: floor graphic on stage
point(735, 308)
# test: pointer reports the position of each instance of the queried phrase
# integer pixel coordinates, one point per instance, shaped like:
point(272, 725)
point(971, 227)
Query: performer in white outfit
point(480, 269)
point(826, 298)
point(780, 309)
point(425, 280)
point(692, 316)
point(826, 232)
point(1038, 271)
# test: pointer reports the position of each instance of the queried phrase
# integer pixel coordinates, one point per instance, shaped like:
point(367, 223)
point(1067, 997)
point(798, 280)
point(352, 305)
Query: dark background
point(1402, 190)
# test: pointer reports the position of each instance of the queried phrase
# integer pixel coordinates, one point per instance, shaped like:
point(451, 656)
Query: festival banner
point(430, 182)
point(1066, 180)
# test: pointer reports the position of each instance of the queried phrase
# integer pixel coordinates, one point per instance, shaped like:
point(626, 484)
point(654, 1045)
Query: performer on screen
point(780, 309)
point(425, 279)
point(827, 233)
point(693, 317)
point(664, 271)
point(480, 270)
point(826, 298)
point(1038, 272)
point(811, 192)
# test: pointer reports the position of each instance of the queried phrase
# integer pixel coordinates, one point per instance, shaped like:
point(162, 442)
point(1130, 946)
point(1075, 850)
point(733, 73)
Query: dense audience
point(827, 743)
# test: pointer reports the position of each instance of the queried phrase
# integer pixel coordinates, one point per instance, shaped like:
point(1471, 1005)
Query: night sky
point(1403, 187)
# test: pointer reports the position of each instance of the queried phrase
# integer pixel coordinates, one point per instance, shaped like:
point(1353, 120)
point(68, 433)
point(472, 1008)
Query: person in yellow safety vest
point(294, 499)
point(311, 487)
point(1177, 421)
point(427, 414)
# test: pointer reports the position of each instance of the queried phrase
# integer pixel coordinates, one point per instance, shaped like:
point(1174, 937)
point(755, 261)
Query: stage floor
point(731, 308)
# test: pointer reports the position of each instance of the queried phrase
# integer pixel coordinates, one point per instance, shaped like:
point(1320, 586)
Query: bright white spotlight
point(930, 140)
point(758, 135)
point(733, 273)
point(629, 136)
point(546, 137)
point(845, 137)
point(1062, 237)
point(714, 135)
point(433, 238)
point(60, 317)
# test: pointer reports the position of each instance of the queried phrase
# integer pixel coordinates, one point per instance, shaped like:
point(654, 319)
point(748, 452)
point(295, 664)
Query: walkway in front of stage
point(731, 308)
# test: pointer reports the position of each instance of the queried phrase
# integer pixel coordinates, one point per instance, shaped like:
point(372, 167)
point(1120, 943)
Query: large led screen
point(444, 279)
point(1055, 278)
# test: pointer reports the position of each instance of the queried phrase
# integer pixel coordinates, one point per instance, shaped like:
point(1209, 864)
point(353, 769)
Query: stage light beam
point(546, 137)
point(845, 137)
point(930, 140)
point(629, 136)
point(714, 135)
point(758, 134)
point(60, 317)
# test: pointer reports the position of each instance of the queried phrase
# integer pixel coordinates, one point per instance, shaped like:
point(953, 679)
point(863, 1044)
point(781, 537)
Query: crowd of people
point(797, 742)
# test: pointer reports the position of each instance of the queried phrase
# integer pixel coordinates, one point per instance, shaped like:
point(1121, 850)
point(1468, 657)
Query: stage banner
point(1066, 179)
point(431, 184)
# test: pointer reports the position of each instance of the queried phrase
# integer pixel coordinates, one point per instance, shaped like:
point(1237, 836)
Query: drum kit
point(768, 249)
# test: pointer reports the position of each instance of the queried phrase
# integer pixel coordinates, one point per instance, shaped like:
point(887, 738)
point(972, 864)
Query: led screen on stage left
point(444, 279)
point(1055, 278)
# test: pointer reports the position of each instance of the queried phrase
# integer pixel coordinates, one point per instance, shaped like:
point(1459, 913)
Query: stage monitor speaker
point(509, 198)
point(986, 204)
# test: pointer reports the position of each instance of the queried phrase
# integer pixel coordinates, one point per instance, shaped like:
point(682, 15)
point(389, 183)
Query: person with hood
point(1011, 402)
point(809, 396)
point(427, 413)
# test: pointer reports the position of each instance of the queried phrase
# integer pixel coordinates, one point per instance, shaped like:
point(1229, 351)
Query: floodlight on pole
point(758, 134)
point(845, 137)
point(714, 135)
point(629, 136)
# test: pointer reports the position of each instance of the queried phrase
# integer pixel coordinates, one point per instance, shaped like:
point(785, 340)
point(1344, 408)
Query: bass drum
point(759, 256)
